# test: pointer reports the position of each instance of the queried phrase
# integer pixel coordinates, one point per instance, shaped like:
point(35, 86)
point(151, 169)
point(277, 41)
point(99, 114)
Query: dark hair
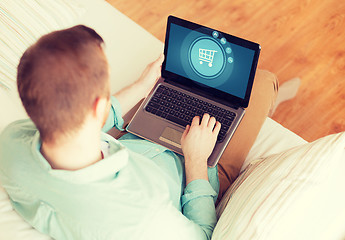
point(60, 77)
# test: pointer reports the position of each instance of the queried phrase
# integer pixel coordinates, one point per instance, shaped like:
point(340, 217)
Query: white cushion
point(21, 24)
point(296, 194)
point(273, 138)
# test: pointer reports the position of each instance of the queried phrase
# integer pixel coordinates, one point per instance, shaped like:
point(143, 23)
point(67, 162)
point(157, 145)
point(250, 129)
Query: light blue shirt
point(137, 192)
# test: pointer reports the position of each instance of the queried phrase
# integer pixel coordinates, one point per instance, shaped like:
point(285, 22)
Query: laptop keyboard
point(181, 108)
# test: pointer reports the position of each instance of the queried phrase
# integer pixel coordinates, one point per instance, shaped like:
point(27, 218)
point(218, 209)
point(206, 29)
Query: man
point(70, 180)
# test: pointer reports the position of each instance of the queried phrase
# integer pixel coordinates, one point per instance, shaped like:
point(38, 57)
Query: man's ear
point(100, 108)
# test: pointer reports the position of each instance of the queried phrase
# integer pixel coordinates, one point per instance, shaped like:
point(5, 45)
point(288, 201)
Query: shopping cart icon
point(206, 55)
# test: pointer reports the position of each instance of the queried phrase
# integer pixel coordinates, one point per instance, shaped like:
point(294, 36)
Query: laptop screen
point(211, 60)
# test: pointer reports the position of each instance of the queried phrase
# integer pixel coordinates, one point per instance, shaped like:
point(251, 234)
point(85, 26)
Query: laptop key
point(222, 132)
point(230, 118)
point(226, 122)
point(220, 138)
point(149, 109)
point(224, 128)
point(155, 99)
point(160, 89)
point(215, 112)
point(154, 105)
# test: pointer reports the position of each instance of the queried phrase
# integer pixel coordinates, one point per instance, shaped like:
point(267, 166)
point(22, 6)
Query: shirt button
point(157, 150)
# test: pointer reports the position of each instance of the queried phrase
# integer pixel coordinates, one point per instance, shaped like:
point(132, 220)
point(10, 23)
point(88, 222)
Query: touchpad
point(171, 136)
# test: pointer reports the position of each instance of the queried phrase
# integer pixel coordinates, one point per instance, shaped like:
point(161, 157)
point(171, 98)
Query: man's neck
point(74, 152)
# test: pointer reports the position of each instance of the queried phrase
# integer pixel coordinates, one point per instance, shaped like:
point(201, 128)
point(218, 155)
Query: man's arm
point(197, 142)
point(132, 94)
point(126, 99)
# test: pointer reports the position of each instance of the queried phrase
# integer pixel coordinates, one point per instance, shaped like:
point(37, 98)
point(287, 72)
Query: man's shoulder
point(16, 137)
point(18, 129)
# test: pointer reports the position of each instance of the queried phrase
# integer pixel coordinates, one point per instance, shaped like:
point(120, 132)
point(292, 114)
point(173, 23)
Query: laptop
point(204, 71)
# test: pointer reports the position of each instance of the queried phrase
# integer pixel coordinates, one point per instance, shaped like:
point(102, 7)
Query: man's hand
point(132, 94)
point(197, 142)
point(151, 73)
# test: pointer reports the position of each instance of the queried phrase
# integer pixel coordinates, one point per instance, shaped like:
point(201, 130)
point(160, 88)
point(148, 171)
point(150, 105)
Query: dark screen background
point(234, 84)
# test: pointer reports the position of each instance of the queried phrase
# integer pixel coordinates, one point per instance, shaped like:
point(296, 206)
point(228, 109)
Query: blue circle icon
point(223, 40)
point(206, 57)
point(228, 50)
point(215, 34)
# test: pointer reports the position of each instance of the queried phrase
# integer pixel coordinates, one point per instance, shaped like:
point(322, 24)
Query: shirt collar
point(101, 170)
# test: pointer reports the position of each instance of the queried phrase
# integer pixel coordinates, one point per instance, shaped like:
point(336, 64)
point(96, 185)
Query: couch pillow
point(297, 194)
point(22, 22)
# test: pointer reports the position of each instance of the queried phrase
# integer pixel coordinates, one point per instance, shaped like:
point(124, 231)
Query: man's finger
point(211, 123)
point(160, 60)
point(186, 131)
point(196, 121)
point(217, 128)
point(205, 120)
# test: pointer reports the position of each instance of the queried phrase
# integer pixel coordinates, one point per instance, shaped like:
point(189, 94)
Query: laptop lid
point(210, 61)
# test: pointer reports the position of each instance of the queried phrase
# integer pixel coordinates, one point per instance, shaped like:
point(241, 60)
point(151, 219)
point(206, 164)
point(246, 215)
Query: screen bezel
point(215, 93)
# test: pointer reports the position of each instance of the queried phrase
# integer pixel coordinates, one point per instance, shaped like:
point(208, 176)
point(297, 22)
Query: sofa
point(288, 188)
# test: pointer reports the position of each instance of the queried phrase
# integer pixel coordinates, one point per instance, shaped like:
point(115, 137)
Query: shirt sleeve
point(197, 221)
point(198, 205)
point(114, 117)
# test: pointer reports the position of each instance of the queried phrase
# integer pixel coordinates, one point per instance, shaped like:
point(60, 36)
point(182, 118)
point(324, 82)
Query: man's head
point(60, 79)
